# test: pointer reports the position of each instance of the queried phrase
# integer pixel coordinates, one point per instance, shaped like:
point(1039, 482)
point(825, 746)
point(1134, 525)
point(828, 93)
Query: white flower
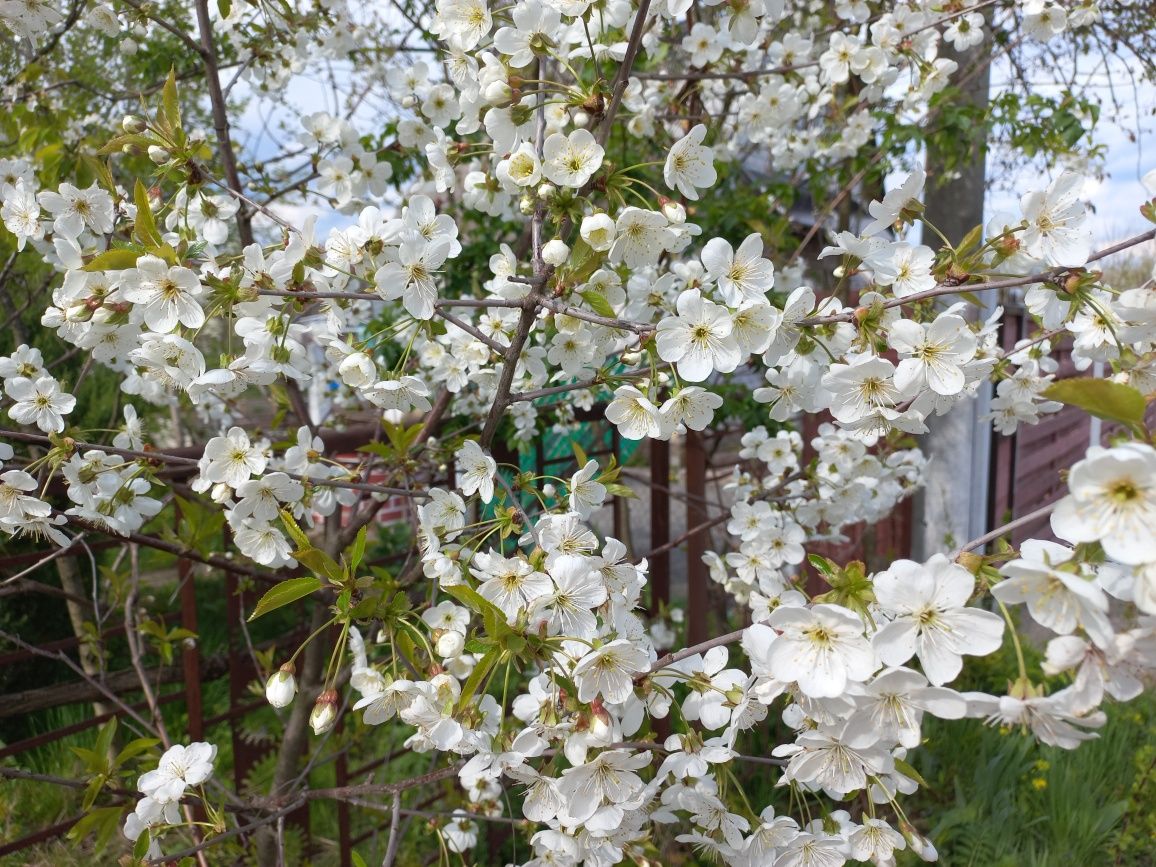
point(609, 671)
point(860, 388)
point(1112, 500)
point(692, 406)
point(598, 231)
point(698, 339)
point(931, 617)
point(570, 161)
point(821, 648)
point(743, 275)
point(231, 459)
point(642, 236)
point(689, 165)
point(476, 471)
point(411, 277)
point(586, 494)
point(902, 198)
point(179, 768)
point(39, 402)
point(838, 759)
point(607, 778)
point(1057, 598)
point(21, 213)
point(578, 589)
point(522, 167)
point(77, 209)
point(633, 414)
point(511, 584)
point(896, 699)
point(165, 296)
point(933, 354)
point(1055, 219)
point(906, 268)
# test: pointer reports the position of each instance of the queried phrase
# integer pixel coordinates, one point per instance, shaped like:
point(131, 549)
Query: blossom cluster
point(482, 265)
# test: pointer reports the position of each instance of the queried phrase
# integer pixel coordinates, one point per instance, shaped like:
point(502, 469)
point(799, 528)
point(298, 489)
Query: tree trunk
point(958, 444)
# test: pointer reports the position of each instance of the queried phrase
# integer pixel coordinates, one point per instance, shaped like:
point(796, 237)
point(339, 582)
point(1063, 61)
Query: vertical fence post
point(696, 572)
point(659, 523)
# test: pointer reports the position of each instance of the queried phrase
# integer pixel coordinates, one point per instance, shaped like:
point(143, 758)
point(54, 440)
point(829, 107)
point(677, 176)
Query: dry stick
point(471, 330)
point(944, 289)
point(217, 562)
point(342, 792)
point(60, 656)
point(523, 396)
point(59, 552)
point(622, 78)
point(709, 74)
point(221, 117)
point(671, 658)
point(134, 650)
point(1007, 528)
point(242, 829)
point(610, 322)
point(394, 837)
point(20, 774)
point(832, 205)
point(510, 363)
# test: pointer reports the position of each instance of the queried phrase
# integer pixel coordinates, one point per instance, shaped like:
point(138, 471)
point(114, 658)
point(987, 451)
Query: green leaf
point(474, 601)
point(286, 592)
point(357, 553)
point(225, 7)
point(117, 144)
point(1102, 398)
point(169, 115)
point(135, 748)
point(320, 562)
point(104, 739)
point(617, 489)
point(598, 304)
point(909, 771)
point(113, 260)
point(145, 230)
point(97, 822)
point(477, 676)
point(579, 453)
point(358, 861)
point(295, 532)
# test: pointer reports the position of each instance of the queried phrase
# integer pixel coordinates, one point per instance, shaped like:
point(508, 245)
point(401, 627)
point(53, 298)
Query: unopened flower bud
point(919, 844)
point(581, 119)
point(132, 124)
point(159, 155)
point(451, 643)
point(546, 192)
point(674, 211)
point(409, 101)
point(324, 714)
point(498, 93)
point(281, 686)
point(357, 370)
point(129, 47)
point(548, 490)
point(555, 252)
point(527, 205)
